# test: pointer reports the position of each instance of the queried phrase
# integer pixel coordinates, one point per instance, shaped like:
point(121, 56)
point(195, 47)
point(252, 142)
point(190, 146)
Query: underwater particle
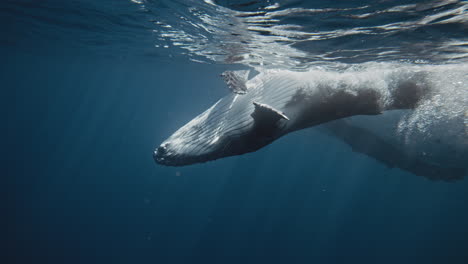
point(466, 122)
point(178, 173)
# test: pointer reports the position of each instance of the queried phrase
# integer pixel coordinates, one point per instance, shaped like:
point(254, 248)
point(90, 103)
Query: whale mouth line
point(165, 157)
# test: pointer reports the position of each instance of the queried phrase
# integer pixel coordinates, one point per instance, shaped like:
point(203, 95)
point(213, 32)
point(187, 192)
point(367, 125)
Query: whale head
point(233, 126)
point(199, 140)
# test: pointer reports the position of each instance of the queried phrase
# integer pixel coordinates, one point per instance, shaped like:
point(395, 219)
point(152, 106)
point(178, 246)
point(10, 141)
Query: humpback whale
point(273, 103)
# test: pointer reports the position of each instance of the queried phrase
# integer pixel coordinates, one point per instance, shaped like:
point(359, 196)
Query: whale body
point(274, 103)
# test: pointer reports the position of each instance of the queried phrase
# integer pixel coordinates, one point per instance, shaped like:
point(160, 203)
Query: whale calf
point(273, 103)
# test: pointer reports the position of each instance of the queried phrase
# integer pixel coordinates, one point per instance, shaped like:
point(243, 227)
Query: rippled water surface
point(288, 34)
point(302, 33)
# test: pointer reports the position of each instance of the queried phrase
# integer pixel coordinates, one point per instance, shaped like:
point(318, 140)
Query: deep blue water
point(82, 120)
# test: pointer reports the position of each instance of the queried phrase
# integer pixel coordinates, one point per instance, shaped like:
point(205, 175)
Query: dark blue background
point(81, 185)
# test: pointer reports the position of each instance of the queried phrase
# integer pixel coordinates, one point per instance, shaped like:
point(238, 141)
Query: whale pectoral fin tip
point(236, 80)
point(264, 111)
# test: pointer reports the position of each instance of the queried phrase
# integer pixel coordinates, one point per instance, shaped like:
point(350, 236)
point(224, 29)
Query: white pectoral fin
point(266, 112)
point(236, 80)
